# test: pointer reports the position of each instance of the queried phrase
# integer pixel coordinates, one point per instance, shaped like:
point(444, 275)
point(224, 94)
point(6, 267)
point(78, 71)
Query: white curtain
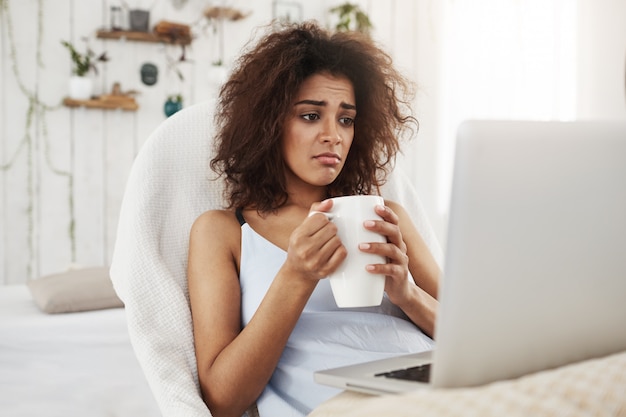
point(504, 59)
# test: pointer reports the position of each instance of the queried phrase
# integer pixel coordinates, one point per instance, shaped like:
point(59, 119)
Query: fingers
point(318, 261)
point(387, 227)
point(397, 259)
point(394, 250)
point(314, 247)
point(322, 206)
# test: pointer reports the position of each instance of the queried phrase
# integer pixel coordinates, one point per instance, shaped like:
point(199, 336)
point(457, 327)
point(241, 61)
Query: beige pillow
point(75, 290)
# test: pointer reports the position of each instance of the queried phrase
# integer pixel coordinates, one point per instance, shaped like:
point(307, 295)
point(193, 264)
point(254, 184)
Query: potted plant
point(81, 86)
point(174, 100)
point(351, 17)
point(216, 16)
point(173, 103)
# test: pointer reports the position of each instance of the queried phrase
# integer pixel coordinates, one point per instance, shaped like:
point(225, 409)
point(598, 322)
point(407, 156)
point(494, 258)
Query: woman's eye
point(310, 116)
point(348, 121)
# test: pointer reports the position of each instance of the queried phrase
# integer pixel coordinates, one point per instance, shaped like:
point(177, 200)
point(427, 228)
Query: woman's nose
point(330, 133)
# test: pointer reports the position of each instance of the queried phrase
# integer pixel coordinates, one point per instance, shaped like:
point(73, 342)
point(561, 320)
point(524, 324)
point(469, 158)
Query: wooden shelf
point(141, 37)
point(104, 102)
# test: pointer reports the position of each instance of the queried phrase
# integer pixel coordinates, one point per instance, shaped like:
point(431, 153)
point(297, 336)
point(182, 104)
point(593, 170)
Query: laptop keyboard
point(417, 373)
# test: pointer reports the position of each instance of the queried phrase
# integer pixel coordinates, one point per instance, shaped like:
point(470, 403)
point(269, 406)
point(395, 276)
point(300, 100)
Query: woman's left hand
point(394, 250)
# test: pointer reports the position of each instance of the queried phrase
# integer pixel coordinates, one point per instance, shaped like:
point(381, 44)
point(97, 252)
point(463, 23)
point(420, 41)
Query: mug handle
point(329, 216)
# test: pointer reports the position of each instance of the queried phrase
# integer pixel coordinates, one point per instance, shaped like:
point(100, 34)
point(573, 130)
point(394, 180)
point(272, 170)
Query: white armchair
point(169, 186)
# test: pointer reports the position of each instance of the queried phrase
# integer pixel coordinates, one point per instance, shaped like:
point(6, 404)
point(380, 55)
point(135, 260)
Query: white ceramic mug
point(351, 284)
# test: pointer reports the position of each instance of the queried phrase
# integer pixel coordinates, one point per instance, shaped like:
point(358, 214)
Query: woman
point(304, 116)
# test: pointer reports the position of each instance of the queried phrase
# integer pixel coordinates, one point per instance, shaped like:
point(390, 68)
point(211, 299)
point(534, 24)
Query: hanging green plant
point(35, 121)
point(351, 17)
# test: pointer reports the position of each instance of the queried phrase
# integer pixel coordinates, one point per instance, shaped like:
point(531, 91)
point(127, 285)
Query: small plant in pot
point(173, 104)
point(81, 86)
point(174, 101)
point(351, 17)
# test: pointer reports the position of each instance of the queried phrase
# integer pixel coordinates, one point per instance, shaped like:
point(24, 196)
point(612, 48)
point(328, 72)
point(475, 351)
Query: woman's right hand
point(314, 249)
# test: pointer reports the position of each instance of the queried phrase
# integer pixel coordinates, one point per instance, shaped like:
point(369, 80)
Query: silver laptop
point(535, 268)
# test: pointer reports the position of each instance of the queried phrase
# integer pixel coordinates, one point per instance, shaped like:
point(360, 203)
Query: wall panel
point(55, 147)
point(119, 154)
point(4, 66)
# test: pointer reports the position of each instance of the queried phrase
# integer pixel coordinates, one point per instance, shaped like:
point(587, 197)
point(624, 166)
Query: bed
point(67, 364)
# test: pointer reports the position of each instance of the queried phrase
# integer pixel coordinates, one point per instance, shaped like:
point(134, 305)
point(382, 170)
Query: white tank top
point(325, 336)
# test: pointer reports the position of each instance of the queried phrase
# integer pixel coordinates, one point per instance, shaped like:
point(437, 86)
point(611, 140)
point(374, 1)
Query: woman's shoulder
point(216, 221)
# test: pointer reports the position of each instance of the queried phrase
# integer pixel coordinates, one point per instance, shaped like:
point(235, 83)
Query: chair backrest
point(167, 189)
point(169, 186)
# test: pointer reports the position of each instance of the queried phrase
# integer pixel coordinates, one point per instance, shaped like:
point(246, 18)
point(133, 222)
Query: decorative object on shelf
point(176, 32)
point(351, 17)
point(139, 20)
point(116, 18)
point(173, 104)
point(287, 11)
point(125, 99)
point(80, 85)
point(80, 88)
point(149, 73)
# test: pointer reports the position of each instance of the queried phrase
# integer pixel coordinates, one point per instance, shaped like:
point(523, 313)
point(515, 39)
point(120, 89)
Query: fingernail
point(369, 267)
point(369, 223)
point(364, 246)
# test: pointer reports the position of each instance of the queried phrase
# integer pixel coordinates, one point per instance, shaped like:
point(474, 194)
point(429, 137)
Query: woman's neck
point(304, 198)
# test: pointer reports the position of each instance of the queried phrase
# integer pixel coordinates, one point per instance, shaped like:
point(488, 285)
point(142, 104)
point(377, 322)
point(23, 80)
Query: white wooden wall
point(64, 170)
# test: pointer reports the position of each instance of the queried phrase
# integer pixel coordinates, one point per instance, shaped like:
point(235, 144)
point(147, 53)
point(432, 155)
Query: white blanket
point(167, 189)
point(69, 365)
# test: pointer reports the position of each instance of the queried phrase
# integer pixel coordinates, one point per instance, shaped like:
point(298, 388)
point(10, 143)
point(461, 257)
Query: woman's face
point(319, 130)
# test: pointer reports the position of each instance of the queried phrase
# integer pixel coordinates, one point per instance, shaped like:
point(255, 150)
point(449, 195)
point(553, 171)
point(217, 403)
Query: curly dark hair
point(255, 101)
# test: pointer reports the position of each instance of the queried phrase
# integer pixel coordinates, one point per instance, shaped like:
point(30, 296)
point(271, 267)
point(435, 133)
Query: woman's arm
point(406, 251)
point(235, 364)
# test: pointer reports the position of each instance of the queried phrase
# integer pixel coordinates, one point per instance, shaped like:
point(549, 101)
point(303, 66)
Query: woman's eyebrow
point(312, 102)
point(323, 103)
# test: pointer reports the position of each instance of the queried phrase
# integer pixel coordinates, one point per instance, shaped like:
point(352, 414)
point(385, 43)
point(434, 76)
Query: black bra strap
point(239, 214)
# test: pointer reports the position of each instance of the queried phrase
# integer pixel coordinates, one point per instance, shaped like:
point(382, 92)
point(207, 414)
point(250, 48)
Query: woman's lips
point(328, 158)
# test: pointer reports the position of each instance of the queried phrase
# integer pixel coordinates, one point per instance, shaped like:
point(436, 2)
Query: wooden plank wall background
point(64, 170)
